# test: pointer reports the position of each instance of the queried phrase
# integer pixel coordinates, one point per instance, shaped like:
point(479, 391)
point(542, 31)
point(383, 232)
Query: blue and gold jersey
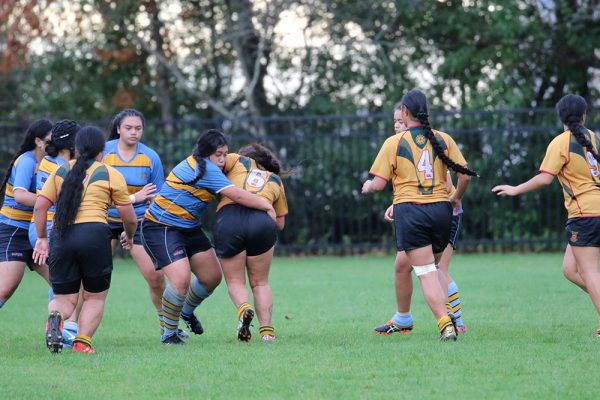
point(22, 176)
point(47, 166)
point(143, 168)
point(181, 205)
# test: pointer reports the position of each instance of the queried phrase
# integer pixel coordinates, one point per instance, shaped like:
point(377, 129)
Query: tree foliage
point(230, 58)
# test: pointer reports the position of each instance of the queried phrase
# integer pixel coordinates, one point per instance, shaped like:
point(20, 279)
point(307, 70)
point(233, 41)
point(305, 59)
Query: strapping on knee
point(424, 269)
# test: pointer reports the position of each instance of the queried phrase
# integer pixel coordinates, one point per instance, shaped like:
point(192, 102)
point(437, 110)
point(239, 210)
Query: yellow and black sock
point(83, 339)
point(444, 322)
point(266, 330)
point(242, 308)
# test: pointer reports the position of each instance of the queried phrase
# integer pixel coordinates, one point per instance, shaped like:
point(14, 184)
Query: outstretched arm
point(537, 182)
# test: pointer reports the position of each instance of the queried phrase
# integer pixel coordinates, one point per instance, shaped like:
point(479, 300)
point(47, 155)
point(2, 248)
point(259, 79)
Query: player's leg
point(402, 320)
point(155, 279)
point(11, 274)
point(587, 266)
point(569, 269)
point(258, 277)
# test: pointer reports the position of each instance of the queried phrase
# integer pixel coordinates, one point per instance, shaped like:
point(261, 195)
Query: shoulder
point(561, 139)
point(212, 168)
point(111, 145)
point(275, 178)
point(64, 169)
point(142, 148)
point(26, 159)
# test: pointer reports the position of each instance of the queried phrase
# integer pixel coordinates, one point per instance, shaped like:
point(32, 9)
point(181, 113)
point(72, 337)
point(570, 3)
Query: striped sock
point(160, 322)
point(1, 303)
point(241, 309)
point(454, 301)
point(172, 303)
point(444, 322)
point(83, 339)
point(266, 330)
point(403, 319)
point(195, 295)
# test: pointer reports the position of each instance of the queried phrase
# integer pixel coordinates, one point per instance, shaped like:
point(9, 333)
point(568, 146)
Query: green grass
point(530, 336)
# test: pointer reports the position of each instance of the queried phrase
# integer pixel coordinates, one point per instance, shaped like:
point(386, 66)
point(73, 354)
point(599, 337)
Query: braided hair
point(416, 103)
point(37, 130)
point(206, 145)
point(118, 120)
point(89, 143)
point(264, 157)
point(63, 137)
point(571, 109)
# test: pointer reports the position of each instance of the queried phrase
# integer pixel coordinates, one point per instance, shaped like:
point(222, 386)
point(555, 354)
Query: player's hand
point(366, 187)
point(505, 190)
point(455, 201)
point(271, 213)
point(148, 192)
point(126, 242)
point(40, 252)
point(389, 214)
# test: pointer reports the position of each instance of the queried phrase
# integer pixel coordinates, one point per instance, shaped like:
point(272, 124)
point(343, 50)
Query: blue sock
point(1, 303)
point(70, 326)
point(172, 303)
point(403, 319)
point(454, 300)
point(50, 295)
point(195, 295)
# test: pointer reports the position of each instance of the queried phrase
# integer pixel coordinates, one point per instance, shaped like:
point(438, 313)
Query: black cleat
point(243, 332)
point(54, 336)
point(173, 339)
point(193, 323)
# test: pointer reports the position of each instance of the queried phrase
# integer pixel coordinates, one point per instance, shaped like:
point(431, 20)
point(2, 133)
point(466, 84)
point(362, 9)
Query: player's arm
point(249, 200)
point(24, 197)
point(537, 182)
point(280, 223)
point(376, 184)
point(40, 218)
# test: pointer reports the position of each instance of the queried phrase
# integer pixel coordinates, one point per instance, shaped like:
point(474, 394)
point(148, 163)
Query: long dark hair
point(37, 130)
point(89, 143)
point(206, 145)
point(63, 137)
point(571, 109)
point(416, 103)
point(264, 157)
point(118, 119)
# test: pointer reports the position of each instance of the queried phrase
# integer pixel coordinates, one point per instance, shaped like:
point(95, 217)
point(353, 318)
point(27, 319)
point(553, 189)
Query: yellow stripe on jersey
point(173, 208)
point(18, 215)
point(198, 193)
point(9, 190)
point(140, 160)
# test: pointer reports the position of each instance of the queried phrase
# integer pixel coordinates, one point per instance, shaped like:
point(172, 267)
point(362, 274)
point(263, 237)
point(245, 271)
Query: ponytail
point(571, 109)
point(37, 130)
point(416, 103)
point(206, 145)
point(89, 143)
point(439, 151)
point(265, 158)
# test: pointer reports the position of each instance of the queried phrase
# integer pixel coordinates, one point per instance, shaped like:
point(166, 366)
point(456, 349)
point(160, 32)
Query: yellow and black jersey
point(418, 175)
point(246, 174)
point(103, 186)
point(577, 172)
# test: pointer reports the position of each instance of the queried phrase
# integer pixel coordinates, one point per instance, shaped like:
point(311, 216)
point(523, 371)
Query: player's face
point(218, 157)
point(398, 121)
point(131, 130)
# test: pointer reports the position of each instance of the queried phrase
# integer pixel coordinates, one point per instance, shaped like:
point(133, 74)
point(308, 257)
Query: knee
point(258, 282)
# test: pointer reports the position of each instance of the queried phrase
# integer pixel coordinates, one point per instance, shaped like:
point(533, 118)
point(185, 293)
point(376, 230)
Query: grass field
point(530, 337)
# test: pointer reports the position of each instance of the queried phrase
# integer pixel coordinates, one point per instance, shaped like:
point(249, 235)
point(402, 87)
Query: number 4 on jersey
point(424, 165)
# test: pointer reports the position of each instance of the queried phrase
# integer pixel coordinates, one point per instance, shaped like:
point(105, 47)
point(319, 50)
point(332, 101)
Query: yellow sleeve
point(50, 189)
point(230, 161)
point(281, 206)
point(454, 152)
point(385, 162)
point(119, 193)
point(555, 157)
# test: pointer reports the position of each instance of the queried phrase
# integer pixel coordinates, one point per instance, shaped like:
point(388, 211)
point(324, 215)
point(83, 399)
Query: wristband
point(132, 198)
